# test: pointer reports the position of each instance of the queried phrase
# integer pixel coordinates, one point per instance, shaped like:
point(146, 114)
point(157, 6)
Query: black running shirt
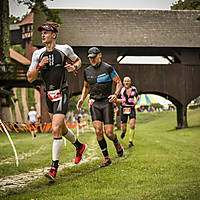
point(54, 73)
point(100, 80)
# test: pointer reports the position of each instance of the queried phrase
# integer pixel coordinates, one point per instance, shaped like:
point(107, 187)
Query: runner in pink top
point(128, 99)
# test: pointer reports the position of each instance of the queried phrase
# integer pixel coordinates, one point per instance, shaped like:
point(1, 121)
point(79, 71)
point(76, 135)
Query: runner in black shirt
point(52, 62)
point(98, 82)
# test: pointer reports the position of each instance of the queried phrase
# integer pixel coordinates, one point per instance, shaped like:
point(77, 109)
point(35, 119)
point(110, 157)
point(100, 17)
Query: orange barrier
point(43, 128)
point(82, 124)
point(24, 126)
point(33, 127)
point(29, 128)
point(14, 128)
point(71, 126)
point(6, 126)
point(20, 128)
point(48, 127)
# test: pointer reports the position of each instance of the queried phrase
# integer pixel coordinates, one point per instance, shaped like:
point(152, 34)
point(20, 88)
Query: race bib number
point(126, 111)
point(54, 95)
point(91, 101)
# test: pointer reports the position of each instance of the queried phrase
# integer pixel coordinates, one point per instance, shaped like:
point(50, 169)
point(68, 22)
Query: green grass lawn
point(164, 164)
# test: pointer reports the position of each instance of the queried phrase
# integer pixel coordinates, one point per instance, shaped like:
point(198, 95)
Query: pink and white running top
point(129, 100)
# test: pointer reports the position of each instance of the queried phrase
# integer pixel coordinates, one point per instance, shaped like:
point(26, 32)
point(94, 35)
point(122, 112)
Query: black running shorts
point(60, 106)
point(124, 117)
point(103, 111)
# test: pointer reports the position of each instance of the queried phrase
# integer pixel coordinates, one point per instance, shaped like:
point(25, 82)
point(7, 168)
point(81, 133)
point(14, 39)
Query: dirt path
point(23, 179)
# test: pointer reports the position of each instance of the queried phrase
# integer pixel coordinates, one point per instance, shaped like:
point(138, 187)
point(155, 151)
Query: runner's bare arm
point(32, 75)
point(136, 100)
point(117, 81)
point(120, 100)
point(74, 66)
point(85, 91)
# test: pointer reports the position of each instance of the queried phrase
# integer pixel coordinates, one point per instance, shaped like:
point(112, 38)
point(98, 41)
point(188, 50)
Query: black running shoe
point(106, 162)
point(131, 144)
point(122, 135)
point(119, 150)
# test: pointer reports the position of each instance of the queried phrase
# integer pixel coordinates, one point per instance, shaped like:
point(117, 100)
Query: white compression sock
point(70, 136)
point(56, 150)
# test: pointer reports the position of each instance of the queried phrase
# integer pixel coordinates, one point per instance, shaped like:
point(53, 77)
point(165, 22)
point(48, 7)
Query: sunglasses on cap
point(47, 27)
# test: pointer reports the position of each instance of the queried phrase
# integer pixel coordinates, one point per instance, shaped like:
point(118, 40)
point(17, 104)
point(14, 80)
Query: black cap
point(93, 51)
point(47, 27)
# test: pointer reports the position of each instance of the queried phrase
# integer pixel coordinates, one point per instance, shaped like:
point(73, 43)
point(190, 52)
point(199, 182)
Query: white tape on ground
point(13, 146)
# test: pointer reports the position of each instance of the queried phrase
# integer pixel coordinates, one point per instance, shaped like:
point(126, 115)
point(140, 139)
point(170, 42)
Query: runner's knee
point(132, 126)
point(109, 133)
point(56, 130)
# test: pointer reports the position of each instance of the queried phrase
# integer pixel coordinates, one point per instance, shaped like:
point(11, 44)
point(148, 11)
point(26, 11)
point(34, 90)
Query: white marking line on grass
point(22, 156)
point(22, 180)
point(11, 142)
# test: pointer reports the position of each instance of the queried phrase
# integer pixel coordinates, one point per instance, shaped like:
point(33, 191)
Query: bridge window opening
point(153, 103)
point(143, 60)
point(194, 104)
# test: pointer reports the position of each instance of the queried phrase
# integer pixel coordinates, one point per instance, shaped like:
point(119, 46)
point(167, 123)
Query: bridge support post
point(181, 116)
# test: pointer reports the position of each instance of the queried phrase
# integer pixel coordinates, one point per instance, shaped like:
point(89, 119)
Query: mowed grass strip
point(165, 164)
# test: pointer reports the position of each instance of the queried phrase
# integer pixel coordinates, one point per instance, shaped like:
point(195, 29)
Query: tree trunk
point(4, 33)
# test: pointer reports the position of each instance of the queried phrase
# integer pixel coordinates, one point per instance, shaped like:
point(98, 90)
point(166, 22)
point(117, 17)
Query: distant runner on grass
point(32, 118)
point(128, 98)
point(52, 62)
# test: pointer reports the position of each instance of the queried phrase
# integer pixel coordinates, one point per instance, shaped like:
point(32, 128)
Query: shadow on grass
point(93, 166)
point(179, 129)
point(64, 176)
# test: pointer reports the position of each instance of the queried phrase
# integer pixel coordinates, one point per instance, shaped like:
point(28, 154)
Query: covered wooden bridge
point(123, 33)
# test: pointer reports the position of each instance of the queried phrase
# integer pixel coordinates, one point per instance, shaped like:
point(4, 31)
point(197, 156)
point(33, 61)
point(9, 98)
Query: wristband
point(38, 68)
point(76, 67)
point(116, 94)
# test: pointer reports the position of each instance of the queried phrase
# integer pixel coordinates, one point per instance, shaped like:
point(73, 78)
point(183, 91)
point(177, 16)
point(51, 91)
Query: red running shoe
point(79, 153)
point(106, 162)
point(51, 174)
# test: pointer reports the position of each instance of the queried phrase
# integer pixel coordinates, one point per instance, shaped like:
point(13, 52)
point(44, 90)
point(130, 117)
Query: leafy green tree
point(186, 5)
point(36, 6)
point(4, 33)
point(16, 20)
point(18, 48)
point(40, 6)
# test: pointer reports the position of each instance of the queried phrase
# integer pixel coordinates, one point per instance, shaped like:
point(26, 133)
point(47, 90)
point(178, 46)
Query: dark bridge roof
point(127, 28)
